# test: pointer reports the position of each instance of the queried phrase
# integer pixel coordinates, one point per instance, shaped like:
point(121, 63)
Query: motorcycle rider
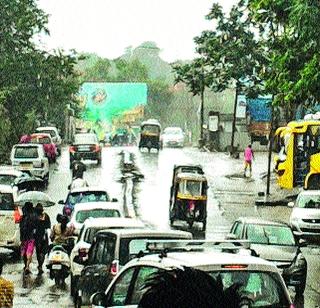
point(61, 231)
point(78, 168)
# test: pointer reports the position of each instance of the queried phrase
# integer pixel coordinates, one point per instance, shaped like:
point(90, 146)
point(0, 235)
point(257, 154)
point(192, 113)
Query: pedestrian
point(78, 168)
point(41, 235)
point(6, 289)
point(248, 157)
point(188, 287)
point(27, 235)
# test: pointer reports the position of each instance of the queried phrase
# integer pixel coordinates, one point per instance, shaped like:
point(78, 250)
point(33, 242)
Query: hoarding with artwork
point(104, 101)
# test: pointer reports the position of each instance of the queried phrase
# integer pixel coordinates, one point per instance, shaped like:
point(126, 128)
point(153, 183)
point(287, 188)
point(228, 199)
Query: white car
point(260, 279)
point(89, 229)
point(31, 158)
point(305, 215)
point(9, 230)
point(173, 137)
point(54, 133)
point(87, 210)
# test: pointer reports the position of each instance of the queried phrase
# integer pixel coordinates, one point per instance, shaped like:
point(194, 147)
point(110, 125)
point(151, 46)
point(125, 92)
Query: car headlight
point(300, 260)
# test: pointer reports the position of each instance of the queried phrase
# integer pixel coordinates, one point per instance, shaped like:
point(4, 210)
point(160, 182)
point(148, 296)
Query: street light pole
point(270, 151)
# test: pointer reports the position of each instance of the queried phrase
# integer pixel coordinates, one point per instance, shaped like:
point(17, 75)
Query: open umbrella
point(35, 197)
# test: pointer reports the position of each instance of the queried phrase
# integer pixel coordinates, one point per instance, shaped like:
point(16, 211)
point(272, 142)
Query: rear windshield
point(6, 202)
point(173, 131)
point(85, 139)
point(88, 196)
point(153, 129)
point(26, 152)
point(90, 233)
point(309, 201)
point(265, 289)
point(7, 179)
point(42, 140)
point(81, 216)
point(270, 235)
point(52, 133)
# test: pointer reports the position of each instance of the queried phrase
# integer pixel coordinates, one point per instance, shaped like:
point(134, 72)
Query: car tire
point(99, 161)
point(16, 254)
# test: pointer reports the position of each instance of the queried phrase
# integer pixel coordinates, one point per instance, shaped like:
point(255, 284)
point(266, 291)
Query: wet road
point(229, 198)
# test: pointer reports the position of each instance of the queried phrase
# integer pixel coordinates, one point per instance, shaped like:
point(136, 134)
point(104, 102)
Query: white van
point(9, 230)
point(32, 158)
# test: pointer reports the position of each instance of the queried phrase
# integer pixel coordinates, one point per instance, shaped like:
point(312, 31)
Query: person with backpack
point(27, 235)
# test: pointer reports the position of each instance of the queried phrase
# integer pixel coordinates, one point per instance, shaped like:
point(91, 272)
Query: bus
point(297, 163)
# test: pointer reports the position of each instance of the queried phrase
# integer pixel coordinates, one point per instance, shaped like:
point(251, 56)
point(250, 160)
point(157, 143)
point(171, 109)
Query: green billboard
point(104, 101)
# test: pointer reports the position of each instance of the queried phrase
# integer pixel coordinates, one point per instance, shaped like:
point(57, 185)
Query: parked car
point(274, 241)
point(89, 229)
point(259, 278)
point(112, 249)
point(9, 230)
point(32, 158)
point(305, 215)
point(173, 137)
point(54, 133)
point(85, 146)
point(84, 194)
point(86, 210)
point(48, 145)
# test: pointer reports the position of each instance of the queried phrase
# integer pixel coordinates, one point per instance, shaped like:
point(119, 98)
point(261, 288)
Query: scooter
point(59, 262)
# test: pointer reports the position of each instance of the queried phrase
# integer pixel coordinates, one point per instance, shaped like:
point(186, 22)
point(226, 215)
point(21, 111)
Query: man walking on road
point(248, 157)
point(6, 290)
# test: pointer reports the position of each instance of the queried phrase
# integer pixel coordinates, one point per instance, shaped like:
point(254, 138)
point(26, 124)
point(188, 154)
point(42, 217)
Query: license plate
point(84, 149)
point(56, 266)
point(25, 166)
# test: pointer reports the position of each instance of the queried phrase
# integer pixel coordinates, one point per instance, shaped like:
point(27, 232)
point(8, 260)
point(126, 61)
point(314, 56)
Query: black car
point(275, 242)
point(85, 146)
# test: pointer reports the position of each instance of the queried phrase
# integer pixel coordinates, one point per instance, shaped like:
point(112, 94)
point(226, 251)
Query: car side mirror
point(302, 243)
point(291, 204)
point(99, 299)
point(114, 200)
point(61, 202)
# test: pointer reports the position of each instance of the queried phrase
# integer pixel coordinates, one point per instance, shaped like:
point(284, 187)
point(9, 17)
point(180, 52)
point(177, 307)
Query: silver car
point(173, 137)
point(305, 216)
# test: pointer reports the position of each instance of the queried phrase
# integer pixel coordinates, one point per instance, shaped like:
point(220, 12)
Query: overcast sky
point(106, 27)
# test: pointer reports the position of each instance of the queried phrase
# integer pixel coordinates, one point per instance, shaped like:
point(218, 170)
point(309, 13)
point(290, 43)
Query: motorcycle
point(59, 262)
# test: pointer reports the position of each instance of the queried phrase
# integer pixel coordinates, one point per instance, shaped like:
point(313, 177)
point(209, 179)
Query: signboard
point(213, 123)
point(241, 107)
point(104, 101)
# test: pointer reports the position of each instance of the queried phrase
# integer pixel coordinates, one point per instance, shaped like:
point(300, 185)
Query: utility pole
point(234, 119)
point(270, 150)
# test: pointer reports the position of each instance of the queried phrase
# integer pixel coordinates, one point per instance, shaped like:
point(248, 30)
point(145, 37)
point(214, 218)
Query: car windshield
point(263, 288)
point(85, 139)
point(26, 152)
point(270, 235)
point(309, 201)
point(6, 202)
point(81, 216)
point(88, 196)
point(52, 133)
point(7, 179)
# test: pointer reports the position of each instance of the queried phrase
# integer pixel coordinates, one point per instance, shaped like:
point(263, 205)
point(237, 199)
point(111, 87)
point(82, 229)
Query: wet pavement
point(230, 196)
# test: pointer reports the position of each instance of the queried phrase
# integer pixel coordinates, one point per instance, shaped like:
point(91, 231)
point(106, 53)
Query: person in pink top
point(248, 157)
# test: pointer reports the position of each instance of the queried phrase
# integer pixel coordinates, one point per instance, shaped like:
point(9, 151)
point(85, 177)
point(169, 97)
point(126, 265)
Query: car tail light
point(292, 306)
point(114, 268)
point(235, 266)
point(95, 148)
point(72, 149)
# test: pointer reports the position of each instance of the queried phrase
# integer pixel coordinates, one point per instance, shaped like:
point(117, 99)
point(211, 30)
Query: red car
point(49, 147)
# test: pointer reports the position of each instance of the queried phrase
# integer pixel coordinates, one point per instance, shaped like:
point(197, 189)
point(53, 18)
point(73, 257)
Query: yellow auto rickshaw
point(188, 197)
point(150, 135)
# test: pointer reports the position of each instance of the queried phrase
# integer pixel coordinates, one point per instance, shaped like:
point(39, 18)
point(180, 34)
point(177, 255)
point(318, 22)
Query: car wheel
point(16, 254)
point(99, 161)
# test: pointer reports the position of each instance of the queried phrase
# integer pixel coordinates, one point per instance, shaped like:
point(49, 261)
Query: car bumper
point(85, 155)
point(306, 230)
point(173, 144)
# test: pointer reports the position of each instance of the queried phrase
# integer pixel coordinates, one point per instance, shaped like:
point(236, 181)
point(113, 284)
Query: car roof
point(173, 128)
point(41, 135)
point(46, 128)
point(96, 205)
point(309, 192)
point(26, 145)
point(146, 232)
point(89, 188)
point(261, 221)
point(6, 188)
point(112, 222)
point(205, 259)
point(191, 176)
